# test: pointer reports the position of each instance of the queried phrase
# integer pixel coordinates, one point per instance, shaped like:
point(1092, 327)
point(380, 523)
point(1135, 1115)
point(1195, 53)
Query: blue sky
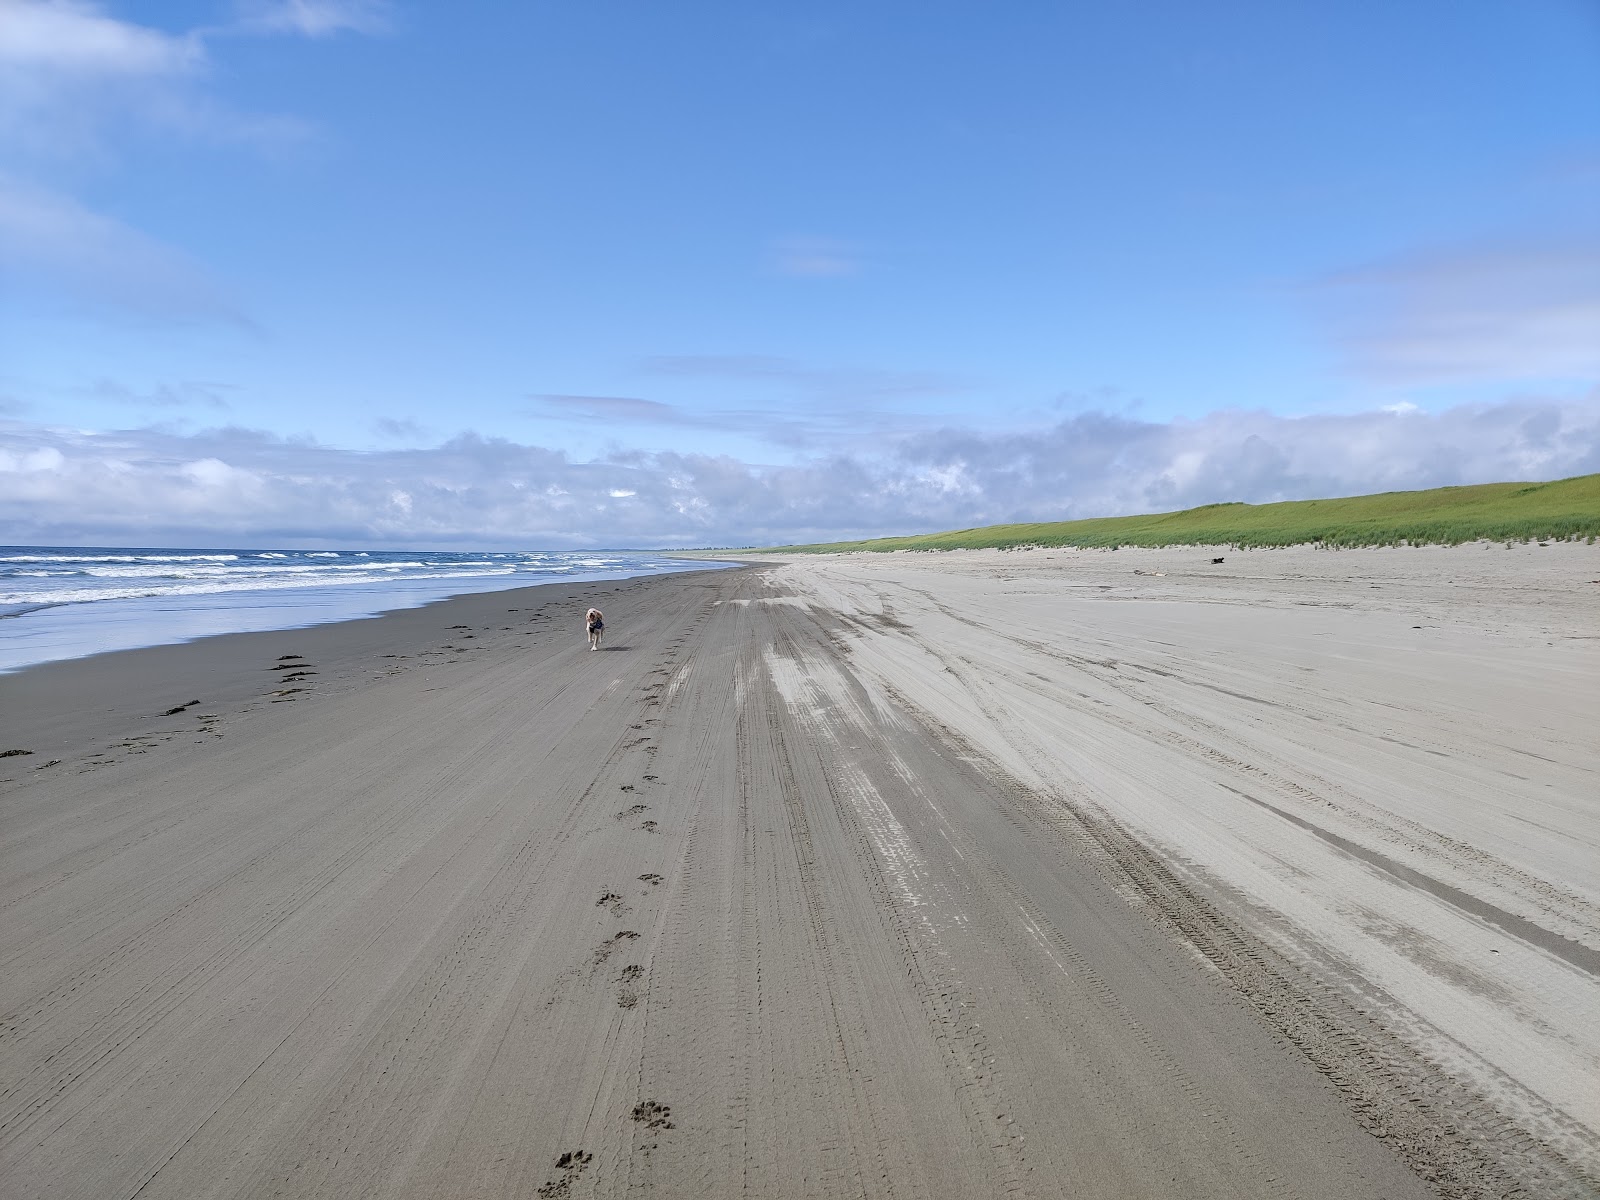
point(340, 272)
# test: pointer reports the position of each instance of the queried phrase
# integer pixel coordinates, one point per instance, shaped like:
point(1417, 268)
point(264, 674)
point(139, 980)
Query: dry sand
point(920, 875)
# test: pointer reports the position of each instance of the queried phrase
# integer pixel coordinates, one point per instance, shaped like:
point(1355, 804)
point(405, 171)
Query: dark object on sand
point(1214, 561)
point(10, 753)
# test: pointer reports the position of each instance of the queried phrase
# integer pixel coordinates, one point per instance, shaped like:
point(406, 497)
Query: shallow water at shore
point(68, 602)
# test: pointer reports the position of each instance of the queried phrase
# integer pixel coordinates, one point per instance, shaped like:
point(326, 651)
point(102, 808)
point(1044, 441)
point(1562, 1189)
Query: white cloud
point(1096, 464)
point(155, 486)
point(78, 38)
point(69, 72)
point(23, 462)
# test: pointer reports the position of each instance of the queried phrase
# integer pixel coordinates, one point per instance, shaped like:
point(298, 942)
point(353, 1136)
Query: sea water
point(66, 602)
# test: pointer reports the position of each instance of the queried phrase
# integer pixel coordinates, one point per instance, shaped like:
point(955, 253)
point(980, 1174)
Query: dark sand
point(447, 905)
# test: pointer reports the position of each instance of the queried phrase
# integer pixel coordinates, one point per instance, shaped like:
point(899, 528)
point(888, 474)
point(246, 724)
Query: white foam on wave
point(117, 558)
point(41, 578)
point(220, 586)
point(246, 570)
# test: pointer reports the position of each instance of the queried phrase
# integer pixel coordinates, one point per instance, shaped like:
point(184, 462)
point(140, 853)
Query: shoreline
point(52, 707)
point(62, 629)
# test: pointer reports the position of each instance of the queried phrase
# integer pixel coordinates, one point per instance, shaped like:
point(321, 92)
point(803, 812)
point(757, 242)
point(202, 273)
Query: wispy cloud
point(815, 258)
point(67, 70)
point(74, 82)
point(1489, 313)
point(62, 486)
point(397, 427)
point(796, 377)
point(50, 239)
point(188, 393)
point(612, 408)
point(73, 78)
point(808, 409)
point(313, 18)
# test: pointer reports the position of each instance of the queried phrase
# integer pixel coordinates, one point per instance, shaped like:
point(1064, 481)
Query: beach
point(1046, 872)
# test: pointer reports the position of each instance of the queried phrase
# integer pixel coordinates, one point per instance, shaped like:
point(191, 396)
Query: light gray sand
point(927, 875)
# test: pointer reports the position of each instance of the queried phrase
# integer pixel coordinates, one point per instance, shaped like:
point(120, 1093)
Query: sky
point(533, 275)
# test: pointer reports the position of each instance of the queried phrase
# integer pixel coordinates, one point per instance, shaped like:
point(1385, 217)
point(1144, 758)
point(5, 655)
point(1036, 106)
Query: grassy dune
point(1566, 508)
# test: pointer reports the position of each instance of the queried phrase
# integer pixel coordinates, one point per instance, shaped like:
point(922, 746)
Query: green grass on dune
point(1566, 508)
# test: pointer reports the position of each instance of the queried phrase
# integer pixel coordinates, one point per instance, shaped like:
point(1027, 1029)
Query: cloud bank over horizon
point(232, 486)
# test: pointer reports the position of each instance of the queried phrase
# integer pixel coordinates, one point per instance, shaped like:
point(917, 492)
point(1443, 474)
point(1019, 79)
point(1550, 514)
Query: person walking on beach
point(596, 624)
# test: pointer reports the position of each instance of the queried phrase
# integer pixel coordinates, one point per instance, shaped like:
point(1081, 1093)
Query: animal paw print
point(612, 901)
point(626, 991)
point(627, 995)
point(604, 950)
point(651, 878)
point(632, 812)
point(652, 1115)
point(571, 1164)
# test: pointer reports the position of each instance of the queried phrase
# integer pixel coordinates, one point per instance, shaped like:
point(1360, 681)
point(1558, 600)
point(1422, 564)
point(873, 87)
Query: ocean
point(61, 602)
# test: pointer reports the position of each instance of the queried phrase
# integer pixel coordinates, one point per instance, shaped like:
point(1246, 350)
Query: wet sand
point(1041, 873)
